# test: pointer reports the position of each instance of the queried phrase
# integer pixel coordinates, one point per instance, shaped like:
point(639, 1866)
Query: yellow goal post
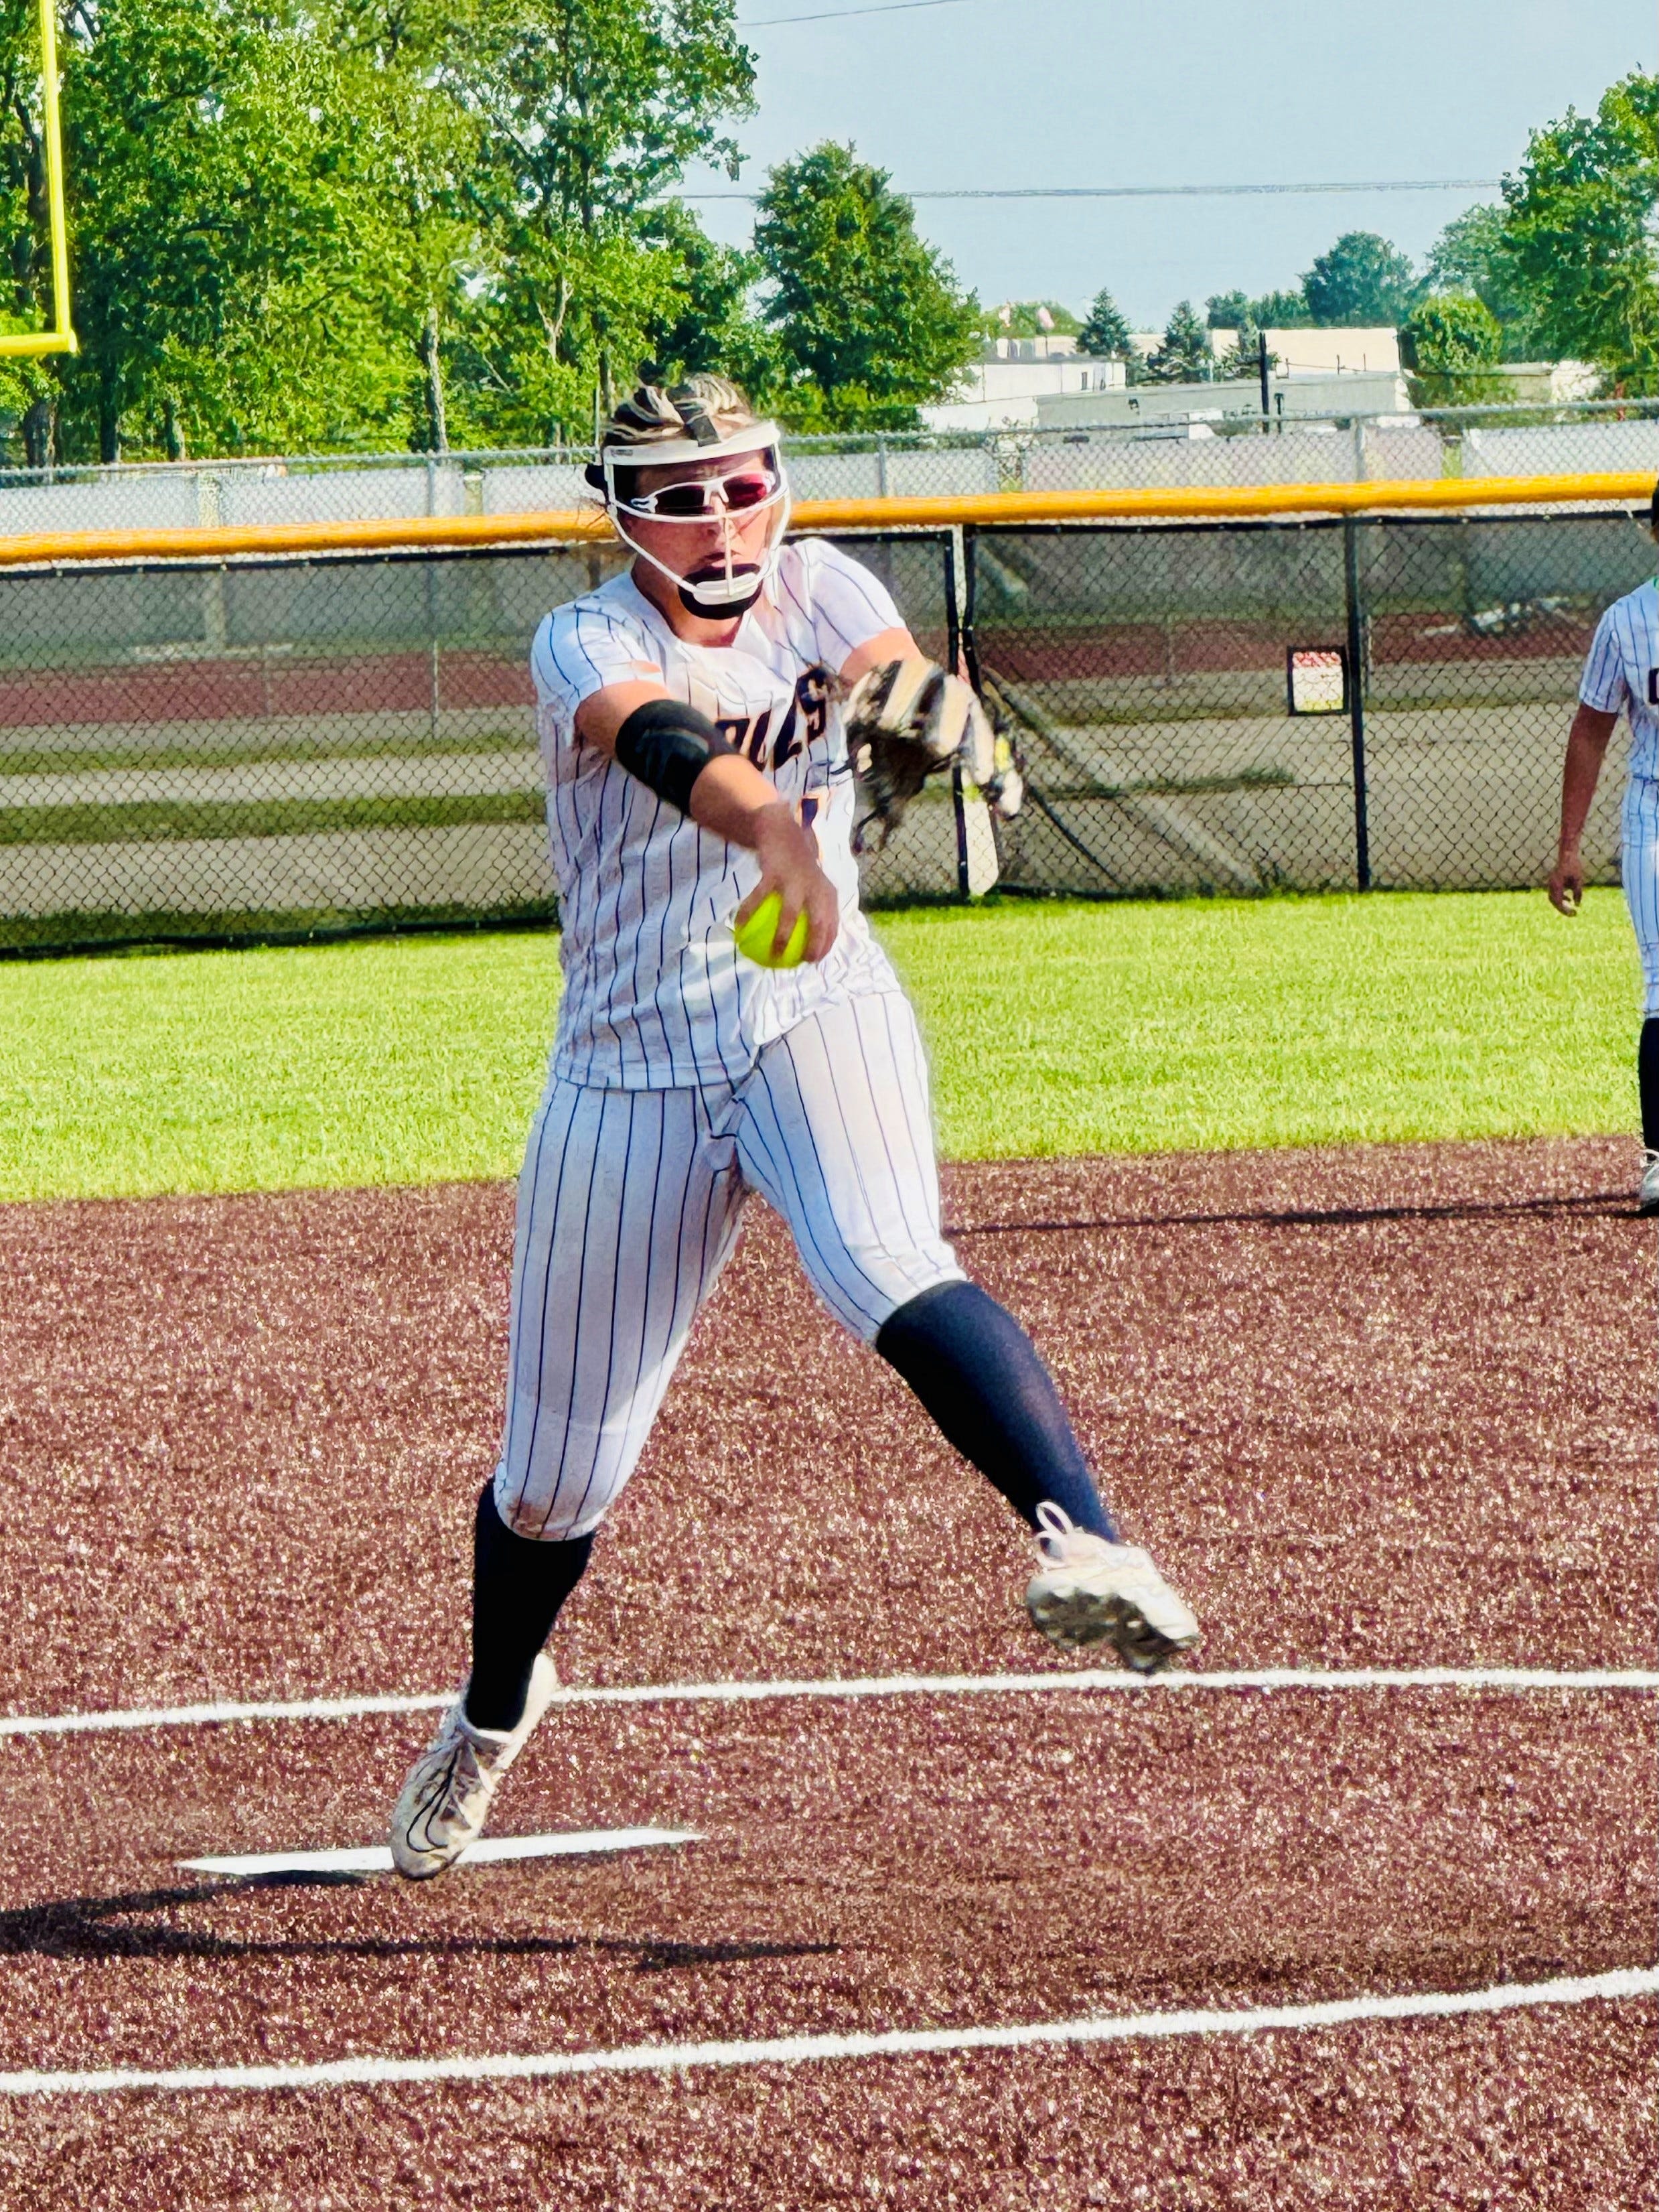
point(1197, 503)
point(61, 337)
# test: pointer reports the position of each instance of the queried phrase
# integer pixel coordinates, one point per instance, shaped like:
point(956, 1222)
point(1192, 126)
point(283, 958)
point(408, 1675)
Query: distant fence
point(280, 744)
point(1200, 449)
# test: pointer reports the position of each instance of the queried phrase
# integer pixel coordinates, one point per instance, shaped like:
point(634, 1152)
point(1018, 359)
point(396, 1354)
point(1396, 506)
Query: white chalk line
point(800, 2049)
point(489, 1850)
point(883, 1686)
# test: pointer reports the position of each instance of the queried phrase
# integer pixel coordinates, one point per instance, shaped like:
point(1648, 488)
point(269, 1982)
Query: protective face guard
point(737, 590)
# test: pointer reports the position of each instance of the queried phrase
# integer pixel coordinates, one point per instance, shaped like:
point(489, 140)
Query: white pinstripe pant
point(629, 1204)
point(1639, 867)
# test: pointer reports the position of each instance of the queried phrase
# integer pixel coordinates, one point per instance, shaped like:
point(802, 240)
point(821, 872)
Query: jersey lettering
point(812, 695)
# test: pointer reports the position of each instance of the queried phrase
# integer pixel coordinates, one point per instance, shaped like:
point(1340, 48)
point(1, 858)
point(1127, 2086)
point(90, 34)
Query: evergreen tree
point(1186, 355)
point(1228, 311)
point(1105, 335)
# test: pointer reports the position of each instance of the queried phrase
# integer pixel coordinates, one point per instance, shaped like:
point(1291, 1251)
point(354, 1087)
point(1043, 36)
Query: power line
point(835, 14)
point(1158, 191)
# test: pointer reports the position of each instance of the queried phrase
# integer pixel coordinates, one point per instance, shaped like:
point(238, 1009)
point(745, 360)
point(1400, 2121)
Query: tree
point(1472, 255)
point(1578, 230)
point(1023, 320)
point(1361, 280)
point(327, 224)
point(1450, 345)
point(1243, 356)
point(1106, 335)
point(1273, 311)
point(1186, 355)
point(592, 110)
point(869, 322)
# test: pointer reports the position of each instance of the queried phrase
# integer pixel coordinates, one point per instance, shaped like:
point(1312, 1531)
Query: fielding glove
point(909, 720)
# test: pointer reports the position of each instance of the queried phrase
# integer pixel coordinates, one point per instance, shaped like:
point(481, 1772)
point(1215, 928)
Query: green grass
point(255, 752)
point(145, 821)
point(1054, 1029)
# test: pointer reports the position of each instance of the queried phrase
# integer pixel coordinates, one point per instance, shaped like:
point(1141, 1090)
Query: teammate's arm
point(731, 798)
point(1587, 743)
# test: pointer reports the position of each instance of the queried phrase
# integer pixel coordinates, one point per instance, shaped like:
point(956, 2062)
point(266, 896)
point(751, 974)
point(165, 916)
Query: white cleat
point(446, 1796)
point(1647, 1198)
point(1086, 1590)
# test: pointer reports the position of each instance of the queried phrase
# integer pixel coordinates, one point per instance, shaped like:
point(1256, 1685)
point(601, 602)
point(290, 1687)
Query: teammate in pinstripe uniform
point(694, 718)
point(1622, 675)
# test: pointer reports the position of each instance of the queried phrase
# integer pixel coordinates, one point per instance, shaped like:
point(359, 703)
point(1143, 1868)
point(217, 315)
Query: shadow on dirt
point(118, 1927)
point(1604, 1204)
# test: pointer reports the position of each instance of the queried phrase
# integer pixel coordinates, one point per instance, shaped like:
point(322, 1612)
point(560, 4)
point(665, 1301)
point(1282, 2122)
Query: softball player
point(696, 747)
point(1622, 674)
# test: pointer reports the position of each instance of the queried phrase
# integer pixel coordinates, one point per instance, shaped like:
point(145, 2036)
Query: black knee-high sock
point(517, 1587)
point(1647, 1077)
point(978, 1374)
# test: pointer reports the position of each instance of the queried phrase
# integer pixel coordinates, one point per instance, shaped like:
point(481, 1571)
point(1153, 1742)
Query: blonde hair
point(656, 415)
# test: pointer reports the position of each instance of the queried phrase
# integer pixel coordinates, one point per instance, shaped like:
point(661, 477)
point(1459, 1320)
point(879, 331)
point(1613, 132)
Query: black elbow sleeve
point(668, 745)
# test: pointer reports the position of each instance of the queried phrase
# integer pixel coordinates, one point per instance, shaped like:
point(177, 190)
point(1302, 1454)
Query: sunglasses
point(737, 494)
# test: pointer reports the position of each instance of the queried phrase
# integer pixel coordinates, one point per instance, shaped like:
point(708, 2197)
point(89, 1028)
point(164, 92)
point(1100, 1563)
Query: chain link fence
point(1306, 705)
point(1200, 446)
point(276, 747)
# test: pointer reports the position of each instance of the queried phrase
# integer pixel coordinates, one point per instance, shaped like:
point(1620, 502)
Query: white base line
point(885, 1686)
point(798, 2049)
point(490, 1850)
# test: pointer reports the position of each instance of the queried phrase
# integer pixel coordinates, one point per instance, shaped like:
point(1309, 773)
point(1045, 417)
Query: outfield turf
point(1054, 1029)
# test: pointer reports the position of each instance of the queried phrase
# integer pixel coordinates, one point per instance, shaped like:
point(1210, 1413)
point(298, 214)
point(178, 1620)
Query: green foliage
point(1106, 335)
point(1136, 1028)
point(1023, 320)
point(591, 110)
point(1473, 254)
point(1286, 310)
point(1451, 343)
point(1243, 356)
point(1273, 311)
point(1361, 282)
point(1578, 235)
point(367, 222)
point(869, 323)
point(1186, 355)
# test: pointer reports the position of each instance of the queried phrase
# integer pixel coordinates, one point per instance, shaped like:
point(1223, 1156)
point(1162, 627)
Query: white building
point(1325, 352)
point(1001, 390)
point(1167, 406)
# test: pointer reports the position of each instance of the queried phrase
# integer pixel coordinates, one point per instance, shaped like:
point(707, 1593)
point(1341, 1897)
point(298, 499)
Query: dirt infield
point(1376, 1408)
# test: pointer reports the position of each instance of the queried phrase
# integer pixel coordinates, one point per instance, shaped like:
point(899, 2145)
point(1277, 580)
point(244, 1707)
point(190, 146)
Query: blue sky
point(1137, 92)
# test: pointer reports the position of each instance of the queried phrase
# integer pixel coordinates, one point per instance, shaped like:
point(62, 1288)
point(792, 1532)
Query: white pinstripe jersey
point(1623, 672)
point(656, 995)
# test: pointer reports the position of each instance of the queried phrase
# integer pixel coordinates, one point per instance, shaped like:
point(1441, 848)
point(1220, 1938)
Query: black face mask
point(751, 580)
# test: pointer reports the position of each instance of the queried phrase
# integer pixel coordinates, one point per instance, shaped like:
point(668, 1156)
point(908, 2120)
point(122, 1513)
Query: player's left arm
point(875, 653)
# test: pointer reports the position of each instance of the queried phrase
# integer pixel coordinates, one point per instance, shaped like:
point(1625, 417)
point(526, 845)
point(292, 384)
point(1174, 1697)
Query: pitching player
point(1622, 675)
point(694, 716)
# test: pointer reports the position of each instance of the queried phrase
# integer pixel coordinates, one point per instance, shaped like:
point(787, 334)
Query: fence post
point(958, 614)
point(1362, 838)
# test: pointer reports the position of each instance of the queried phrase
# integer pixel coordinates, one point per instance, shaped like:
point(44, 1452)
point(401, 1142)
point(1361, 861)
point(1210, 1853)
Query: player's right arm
point(1586, 743)
point(722, 792)
point(1601, 695)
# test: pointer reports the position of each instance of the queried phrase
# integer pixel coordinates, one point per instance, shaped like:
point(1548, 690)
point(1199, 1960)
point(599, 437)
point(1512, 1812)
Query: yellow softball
point(756, 936)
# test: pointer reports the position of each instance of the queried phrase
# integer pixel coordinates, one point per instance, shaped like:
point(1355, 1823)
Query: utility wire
point(1159, 192)
point(834, 14)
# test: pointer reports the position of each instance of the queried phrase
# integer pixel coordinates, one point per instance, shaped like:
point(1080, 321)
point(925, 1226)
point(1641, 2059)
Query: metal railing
point(1195, 450)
